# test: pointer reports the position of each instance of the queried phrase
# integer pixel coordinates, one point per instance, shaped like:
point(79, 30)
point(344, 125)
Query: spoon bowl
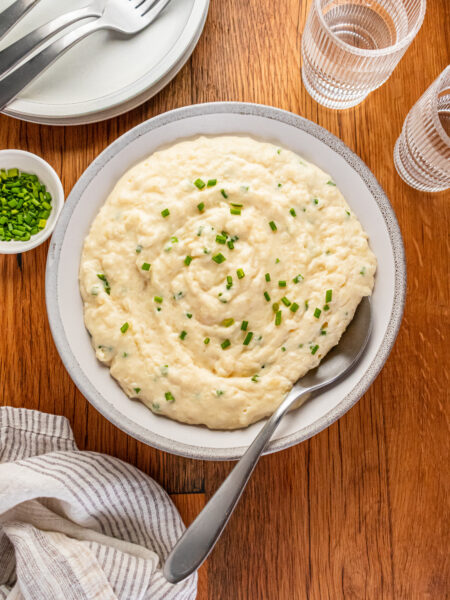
point(201, 536)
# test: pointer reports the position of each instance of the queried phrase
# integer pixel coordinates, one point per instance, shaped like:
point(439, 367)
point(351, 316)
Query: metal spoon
point(200, 537)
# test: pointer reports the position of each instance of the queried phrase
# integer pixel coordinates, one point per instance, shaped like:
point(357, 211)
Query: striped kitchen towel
point(79, 525)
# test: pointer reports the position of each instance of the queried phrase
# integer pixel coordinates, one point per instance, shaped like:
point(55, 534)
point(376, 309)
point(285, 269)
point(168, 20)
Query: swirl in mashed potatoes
point(217, 273)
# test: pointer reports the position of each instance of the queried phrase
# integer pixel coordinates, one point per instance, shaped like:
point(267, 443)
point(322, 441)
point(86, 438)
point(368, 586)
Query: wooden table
point(360, 510)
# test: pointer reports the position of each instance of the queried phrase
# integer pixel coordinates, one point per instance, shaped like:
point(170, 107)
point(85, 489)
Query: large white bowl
point(64, 305)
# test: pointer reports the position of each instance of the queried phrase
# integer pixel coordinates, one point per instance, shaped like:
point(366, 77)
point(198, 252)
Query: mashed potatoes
point(218, 272)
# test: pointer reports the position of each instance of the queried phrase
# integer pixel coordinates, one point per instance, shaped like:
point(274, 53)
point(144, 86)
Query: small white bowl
point(30, 163)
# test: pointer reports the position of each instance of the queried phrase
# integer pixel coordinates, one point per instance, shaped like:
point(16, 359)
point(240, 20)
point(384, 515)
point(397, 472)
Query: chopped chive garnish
point(326, 307)
point(235, 211)
point(106, 285)
point(275, 307)
point(236, 204)
point(189, 315)
point(244, 325)
point(145, 266)
point(272, 225)
point(292, 211)
point(282, 283)
point(221, 239)
point(201, 206)
point(330, 182)
point(277, 260)
point(283, 349)
point(267, 276)
point(317, 313)
point(285, 301)
point(165, 213)
point(328, 296)
point(220, 392)
point(266, 296)
point(183, 334)
point(124, 327)
point(138, 249)
point(255, 378)
point(363, 271)
point(158, 299)
point(211, 182)
point(248, 338)
point(188, 260)
point(316, 200)
point(230, 244)
point(279, 185)
point(306, 304)
point(294, 307)
point(206, 341)
point(173, 239)
point(225, 344)
point(227, 322)
point(229, 281)
point(240, 273)
point(224, 194)
point(314, 349)
point(278, 318)
point(137, 390)
point(323, 332)
point(219, 258)
point(206, 251)
point(298, 278)
point(199, 183)
point(169, 397)
point(347, 212)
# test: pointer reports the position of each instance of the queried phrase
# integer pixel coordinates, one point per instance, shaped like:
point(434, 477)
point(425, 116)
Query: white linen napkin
point(79, 525)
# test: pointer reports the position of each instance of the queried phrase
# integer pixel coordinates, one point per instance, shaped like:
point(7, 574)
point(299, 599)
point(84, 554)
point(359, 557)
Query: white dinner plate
point(107, 74)
point(65, 308)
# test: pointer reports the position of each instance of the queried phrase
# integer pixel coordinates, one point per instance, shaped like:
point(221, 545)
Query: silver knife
point(12, 15)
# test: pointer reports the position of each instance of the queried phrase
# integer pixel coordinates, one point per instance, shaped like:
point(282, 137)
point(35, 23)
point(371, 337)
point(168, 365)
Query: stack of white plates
point(107, 74)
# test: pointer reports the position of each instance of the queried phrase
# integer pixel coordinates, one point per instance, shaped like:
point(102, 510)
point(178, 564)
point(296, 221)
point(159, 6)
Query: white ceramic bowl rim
point(118, 418)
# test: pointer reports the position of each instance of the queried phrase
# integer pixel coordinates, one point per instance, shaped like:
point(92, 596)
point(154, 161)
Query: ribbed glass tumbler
point(351, 47)
point(422, 152)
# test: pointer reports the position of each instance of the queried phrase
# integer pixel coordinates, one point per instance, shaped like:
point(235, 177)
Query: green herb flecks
point(227, 322)
point(273, 225)
point(248, 338)
point(225, 344)
point(169, 397)
point(219, 258)
point(199, 183)
point(124, 327)
point(240, 273)
point(106, 285)
point(25, 205)
point(146, 266)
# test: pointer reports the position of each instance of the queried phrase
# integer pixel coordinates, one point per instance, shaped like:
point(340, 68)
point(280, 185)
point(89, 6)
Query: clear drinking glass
point(422, 152)
point(351, 47)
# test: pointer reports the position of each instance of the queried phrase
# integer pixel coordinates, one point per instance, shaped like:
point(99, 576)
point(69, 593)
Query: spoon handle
point(201, 536)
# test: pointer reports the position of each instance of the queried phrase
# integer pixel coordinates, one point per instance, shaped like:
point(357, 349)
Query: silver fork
point(20, 49)
point(125, 16)
point(12, 15)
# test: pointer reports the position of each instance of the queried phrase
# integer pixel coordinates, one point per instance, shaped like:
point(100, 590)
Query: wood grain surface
point(361, 510)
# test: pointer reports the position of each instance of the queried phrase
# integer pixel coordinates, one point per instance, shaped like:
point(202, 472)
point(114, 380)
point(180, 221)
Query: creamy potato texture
point(218, 272)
